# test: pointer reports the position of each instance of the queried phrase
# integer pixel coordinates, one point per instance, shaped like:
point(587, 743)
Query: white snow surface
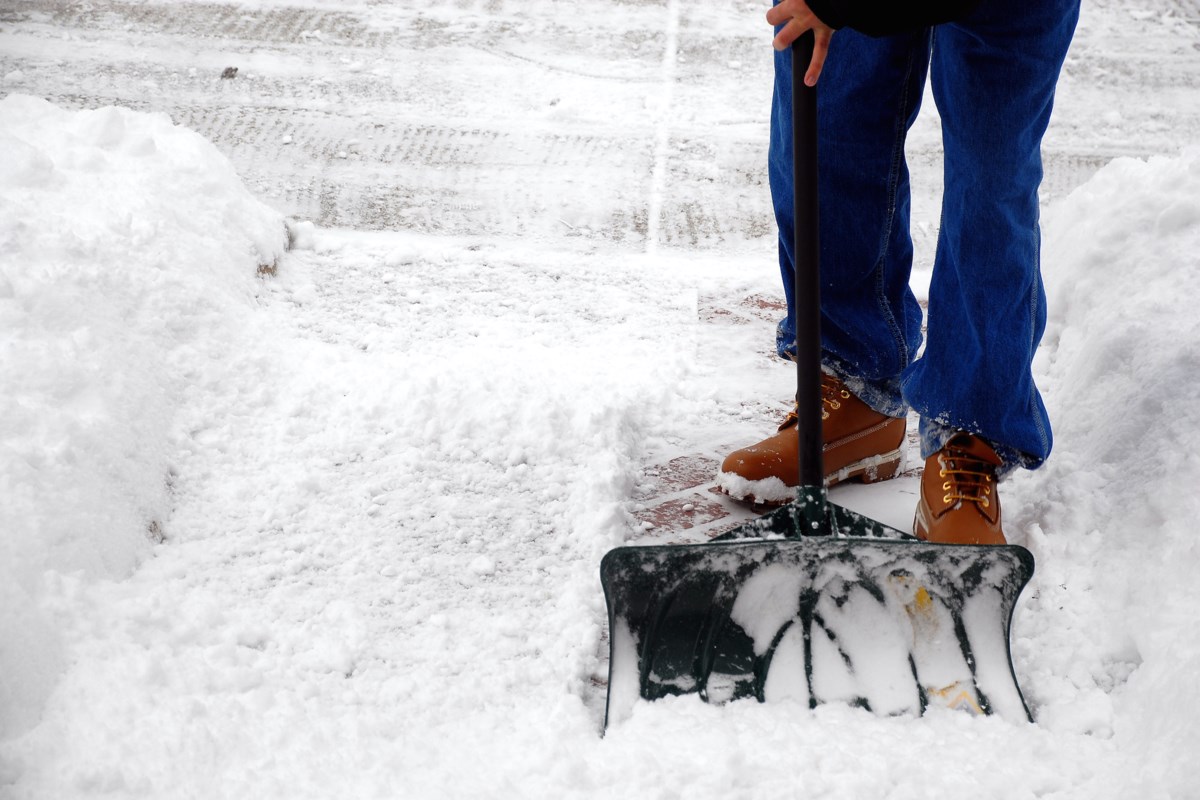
point(335, 532)
point(130, 250)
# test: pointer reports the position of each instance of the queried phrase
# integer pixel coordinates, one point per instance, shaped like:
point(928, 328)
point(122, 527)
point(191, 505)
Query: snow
point(335, 531)
point(130, 251)
point(1122, 365)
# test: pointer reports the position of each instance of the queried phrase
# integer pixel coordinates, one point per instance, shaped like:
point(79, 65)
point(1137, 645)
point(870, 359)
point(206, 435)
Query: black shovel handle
point(806, 251)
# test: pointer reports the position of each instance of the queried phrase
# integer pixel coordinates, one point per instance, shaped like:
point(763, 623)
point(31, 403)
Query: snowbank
point(1112, 643)
point(128, 257)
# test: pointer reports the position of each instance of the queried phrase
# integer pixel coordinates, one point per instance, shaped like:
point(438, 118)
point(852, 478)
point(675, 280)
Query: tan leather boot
point(859, 443)
point(959, 504)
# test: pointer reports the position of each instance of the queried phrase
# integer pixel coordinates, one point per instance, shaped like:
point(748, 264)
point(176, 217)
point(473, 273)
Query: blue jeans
point(993, 76)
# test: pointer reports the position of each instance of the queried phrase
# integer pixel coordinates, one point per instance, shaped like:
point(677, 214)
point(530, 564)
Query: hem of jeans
point(882, 396)
point(935, 435)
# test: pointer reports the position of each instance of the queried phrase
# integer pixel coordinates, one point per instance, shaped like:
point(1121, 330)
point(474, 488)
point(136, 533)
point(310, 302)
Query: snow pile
point(1114, 648)
point(128, 253)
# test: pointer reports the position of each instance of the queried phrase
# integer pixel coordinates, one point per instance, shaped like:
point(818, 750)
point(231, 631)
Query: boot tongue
point(974, 447)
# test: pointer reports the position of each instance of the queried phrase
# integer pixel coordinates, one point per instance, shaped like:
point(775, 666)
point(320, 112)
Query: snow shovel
point(814, 602)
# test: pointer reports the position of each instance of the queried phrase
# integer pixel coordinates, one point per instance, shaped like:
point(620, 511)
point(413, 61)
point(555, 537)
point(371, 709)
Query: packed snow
point(292, 510)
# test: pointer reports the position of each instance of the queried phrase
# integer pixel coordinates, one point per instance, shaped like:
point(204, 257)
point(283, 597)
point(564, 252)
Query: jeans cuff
point(883, 396)
point(935, 435)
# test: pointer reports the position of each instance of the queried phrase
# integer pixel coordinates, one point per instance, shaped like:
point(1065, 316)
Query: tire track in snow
point(381, 133)
point(662, 133)
point(345, 137)
point(218, 20)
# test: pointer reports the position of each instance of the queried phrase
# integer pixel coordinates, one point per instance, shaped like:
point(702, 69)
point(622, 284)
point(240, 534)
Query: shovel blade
point(892, 625)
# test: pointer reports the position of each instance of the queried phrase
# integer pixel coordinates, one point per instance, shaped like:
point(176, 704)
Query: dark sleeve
point(886, 17)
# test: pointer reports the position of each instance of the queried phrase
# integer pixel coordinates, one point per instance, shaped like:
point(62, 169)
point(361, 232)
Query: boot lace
point(965, 477)
point(833, 392)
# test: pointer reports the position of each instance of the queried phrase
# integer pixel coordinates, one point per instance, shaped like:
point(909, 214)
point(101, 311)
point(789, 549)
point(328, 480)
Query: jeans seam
point(1043, 437)
point(889, 227)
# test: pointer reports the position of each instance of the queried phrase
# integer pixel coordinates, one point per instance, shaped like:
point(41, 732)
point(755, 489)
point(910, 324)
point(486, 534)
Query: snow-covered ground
point(317, 511)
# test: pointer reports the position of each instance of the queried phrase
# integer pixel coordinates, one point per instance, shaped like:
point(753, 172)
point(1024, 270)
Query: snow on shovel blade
point(893, 626)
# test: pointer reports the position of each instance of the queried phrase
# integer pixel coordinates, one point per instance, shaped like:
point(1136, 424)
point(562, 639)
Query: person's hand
point(800, 19)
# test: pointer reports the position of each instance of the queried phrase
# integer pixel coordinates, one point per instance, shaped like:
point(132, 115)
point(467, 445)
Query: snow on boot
point(859, 443)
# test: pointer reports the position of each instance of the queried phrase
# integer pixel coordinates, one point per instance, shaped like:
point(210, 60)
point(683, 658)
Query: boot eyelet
point(946, 486)
point(835, 405)
point(984, 503)
point(946, 500)
point(824, 414)
point(845, 394)
point(941, 473)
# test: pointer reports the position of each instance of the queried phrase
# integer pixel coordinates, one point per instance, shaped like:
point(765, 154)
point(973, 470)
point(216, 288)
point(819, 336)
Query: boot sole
point(873, 469)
